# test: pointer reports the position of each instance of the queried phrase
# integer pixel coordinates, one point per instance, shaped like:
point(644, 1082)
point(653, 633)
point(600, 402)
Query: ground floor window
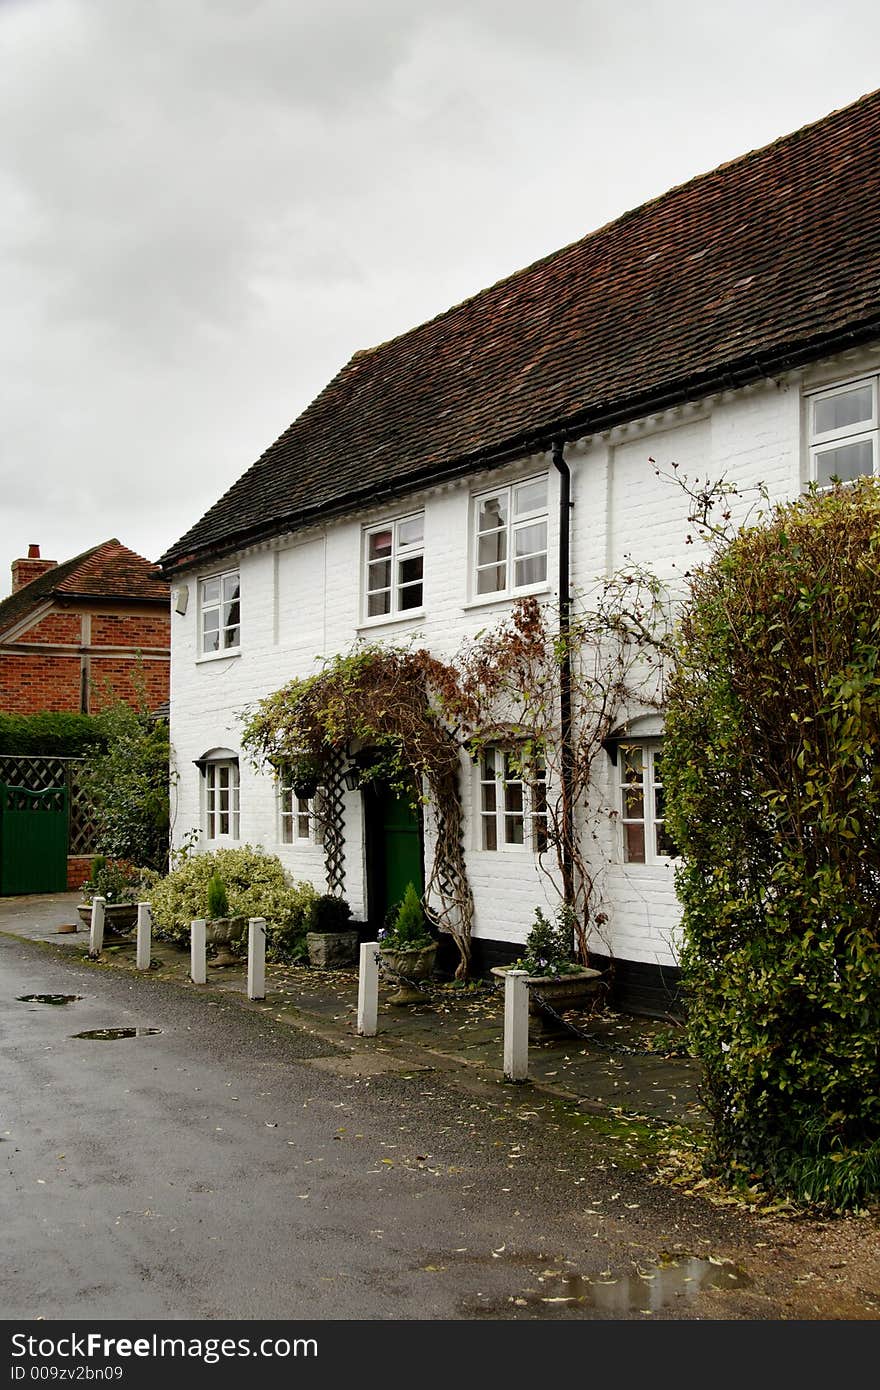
point(513, 801)
point(298, 815)
point(221, 800)
point(642, 811)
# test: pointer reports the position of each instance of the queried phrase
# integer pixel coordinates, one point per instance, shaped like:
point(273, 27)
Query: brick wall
point(137, 630)
point(63, 628)
point(30, 684)
point(114, 679)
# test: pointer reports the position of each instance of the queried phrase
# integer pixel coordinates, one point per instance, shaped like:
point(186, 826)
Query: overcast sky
point(207, 205)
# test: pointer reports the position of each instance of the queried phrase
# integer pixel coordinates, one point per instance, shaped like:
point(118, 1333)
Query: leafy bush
point(50, 735)
point(549, 944)
point(772, 774)
point(329, 913)
point(256, 886)
point(127, 781)
point(408, 930)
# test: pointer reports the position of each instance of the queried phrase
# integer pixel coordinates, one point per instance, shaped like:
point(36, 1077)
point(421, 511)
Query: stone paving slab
point(619, 1067)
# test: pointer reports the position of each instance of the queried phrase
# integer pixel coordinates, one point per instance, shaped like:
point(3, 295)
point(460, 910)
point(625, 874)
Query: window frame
point(219, 577)
point(211, 791)
point(301, 808)
point(530, 810)
point(399, 552)
point(819, 441)
point(651, 749)
point(513, 524)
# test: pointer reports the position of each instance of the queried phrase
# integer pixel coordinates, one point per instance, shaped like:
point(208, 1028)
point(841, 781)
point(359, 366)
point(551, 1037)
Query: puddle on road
point(648, 1290)
point(111, 1034)
point(48, 998)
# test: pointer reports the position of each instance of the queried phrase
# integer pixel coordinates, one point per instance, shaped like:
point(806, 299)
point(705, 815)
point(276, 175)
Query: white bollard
point(256, 988)
point(144, 934)
point(96, 938)
point(516, 1025)
point(368, 989)
point(198, 952)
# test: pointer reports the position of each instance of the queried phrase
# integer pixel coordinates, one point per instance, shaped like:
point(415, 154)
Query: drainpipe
point(565, 668)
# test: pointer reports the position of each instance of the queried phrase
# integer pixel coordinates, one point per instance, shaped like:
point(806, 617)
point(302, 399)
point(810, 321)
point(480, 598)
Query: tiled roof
point(107, 571)
point(763, 263)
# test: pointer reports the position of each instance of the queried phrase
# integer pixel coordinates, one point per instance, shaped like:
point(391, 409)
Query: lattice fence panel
point(333, 824)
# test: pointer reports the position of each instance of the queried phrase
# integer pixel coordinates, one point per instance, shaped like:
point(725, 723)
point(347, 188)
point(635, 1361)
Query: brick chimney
point(23, 571)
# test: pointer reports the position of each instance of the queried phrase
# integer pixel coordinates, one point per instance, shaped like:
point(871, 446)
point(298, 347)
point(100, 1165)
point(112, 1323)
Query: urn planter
point(559, 992)
point(221, 932)
point(414, 964)
point(119, 918)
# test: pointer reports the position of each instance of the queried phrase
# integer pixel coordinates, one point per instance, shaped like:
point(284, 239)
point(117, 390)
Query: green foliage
point(127, 780)
point(256, 886)
point(116, 881)
point(408, 930)
point(549, 944)
point(772, 774)
point(218, 898)
point(329, 913)
point(50, 735)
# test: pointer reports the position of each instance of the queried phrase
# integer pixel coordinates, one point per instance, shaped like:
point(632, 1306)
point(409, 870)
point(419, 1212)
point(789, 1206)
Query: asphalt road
point(228, 1167)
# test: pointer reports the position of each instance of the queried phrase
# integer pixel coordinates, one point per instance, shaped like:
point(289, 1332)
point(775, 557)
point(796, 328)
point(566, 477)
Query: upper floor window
point(510, 538)
point(394, 561)
point(221, 799)
point(220, 613)
point(645, 839)
point(844, 432)
point(513, 801)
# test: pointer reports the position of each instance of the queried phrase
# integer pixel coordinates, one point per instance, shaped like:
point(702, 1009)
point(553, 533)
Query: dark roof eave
point(734, 375)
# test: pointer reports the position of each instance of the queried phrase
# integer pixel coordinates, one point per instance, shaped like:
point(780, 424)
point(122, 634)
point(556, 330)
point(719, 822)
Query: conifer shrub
point(772, 774)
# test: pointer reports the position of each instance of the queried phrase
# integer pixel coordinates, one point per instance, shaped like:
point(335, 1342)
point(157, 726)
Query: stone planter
point(416, 964)
point(220, 932)
point(119, 918)
point(560, 992)
point(332, 950)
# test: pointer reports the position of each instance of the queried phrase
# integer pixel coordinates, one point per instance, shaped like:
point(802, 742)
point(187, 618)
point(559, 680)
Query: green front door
point(394, 850)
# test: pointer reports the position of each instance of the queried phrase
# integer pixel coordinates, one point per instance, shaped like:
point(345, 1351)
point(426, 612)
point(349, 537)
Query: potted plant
point(118, 883)
point(220, 928)
point(554, 979)
point(303, 773)
point(408, 947)
point(330, 939)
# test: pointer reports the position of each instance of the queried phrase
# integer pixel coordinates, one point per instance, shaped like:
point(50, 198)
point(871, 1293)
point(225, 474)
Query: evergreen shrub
point(772, 773)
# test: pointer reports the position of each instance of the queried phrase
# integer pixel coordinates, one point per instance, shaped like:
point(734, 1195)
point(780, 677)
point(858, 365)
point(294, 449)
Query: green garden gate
point(33, 840)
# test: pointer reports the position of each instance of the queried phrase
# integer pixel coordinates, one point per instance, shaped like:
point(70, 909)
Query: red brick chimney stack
point(23, 571)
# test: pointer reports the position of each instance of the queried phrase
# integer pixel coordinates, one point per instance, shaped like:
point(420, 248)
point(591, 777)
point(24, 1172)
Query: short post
point(144, 934)
point(256, 987)
point(516, 1025)
point(96, 937)
point(198, 952)
point(368, 989)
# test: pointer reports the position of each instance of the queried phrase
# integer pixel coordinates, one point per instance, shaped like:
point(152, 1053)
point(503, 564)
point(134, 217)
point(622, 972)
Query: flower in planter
point(218, 898)
point(408, 930)
point(548, 945)
point(114, 880)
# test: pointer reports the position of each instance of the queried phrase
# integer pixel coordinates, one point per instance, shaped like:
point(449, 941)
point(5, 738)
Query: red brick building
point(76, 636)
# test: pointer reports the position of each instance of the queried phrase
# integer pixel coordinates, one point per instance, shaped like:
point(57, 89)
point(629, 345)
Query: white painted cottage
point(731, 326)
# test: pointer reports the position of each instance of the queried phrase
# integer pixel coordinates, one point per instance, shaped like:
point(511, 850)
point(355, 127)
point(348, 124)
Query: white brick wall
point(301, 600)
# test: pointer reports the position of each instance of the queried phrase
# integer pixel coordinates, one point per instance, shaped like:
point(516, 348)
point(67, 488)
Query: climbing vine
point(383, 700)
point(506, 687)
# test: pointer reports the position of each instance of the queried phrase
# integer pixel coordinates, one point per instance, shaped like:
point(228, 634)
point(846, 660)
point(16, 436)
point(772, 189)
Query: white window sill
point(218, 656)
point(485, 600)
point(391, 619)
